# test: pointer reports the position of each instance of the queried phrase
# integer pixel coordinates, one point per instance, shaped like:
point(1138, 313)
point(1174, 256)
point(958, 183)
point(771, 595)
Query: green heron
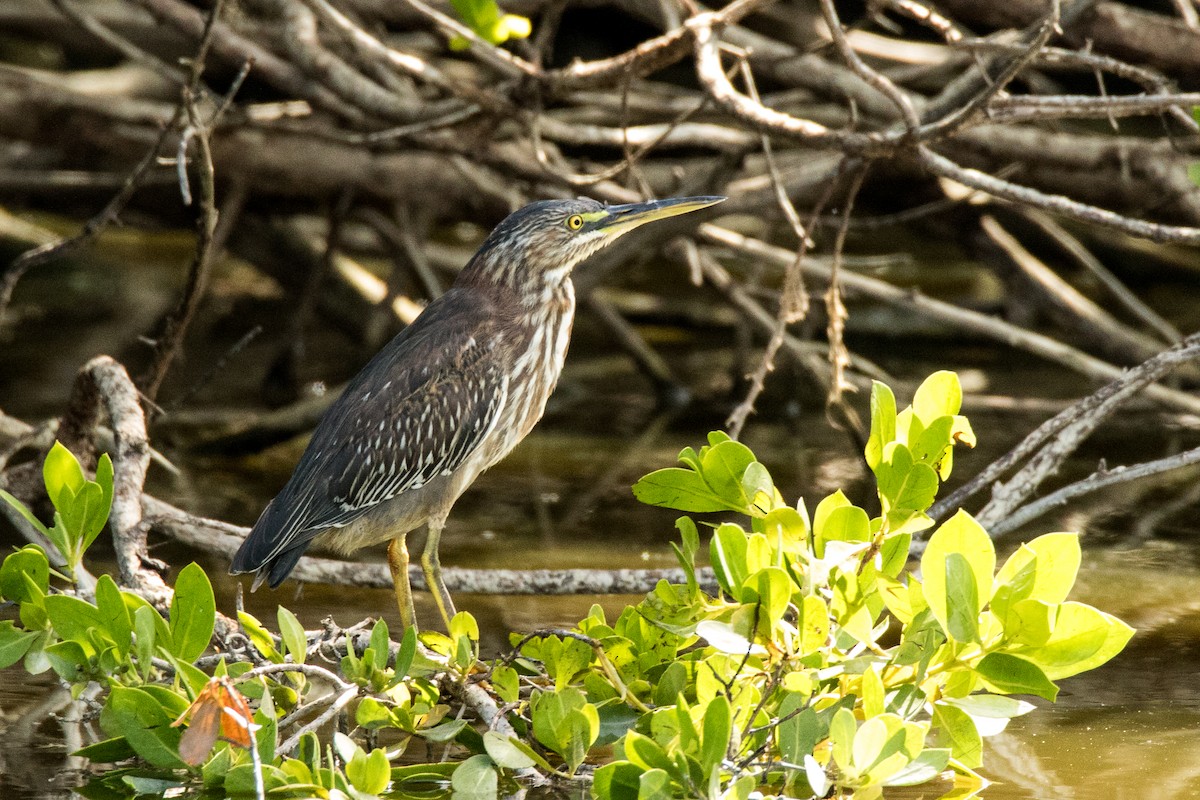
point(450, 396)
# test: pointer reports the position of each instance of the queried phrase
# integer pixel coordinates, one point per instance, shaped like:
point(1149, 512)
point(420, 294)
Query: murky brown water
point(1128, 730)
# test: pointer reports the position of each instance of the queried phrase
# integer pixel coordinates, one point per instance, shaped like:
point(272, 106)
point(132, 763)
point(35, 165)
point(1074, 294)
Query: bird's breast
point(536, 370)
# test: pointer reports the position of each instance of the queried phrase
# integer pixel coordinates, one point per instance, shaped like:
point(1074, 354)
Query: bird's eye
point(574, 222)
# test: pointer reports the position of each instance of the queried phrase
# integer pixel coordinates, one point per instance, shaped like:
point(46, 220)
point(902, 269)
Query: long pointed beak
point(621, 219)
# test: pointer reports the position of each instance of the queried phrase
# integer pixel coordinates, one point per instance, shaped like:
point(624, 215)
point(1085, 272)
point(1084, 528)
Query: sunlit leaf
point(718, 727)
point(883, 423)
point(1013, 675)
point(1083, 639)
point(727, 553)
point(1043, 569)
point(369, 773)
point(938, 395)
point(962, 599)
point(841, 736)
point(956, 730)
point(62, 475)
point(963, 535)
point(680, 489)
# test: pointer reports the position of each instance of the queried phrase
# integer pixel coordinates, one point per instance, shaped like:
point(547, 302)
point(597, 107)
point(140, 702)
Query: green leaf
point(107, 751)
point(685, 551)
point(718, 728)
point(883, 423)
point(646, 753)
point(1083, 639)
point(894, 554)
point(114, 614)
point(798, 731)
point(880, 748)
point(993, 706)
point(756, 480)
point(841, 524)
point(28, 562)
point(145, 623)
point(98, 514)
point(928, 764)
point(727, 553)
point(259, 636)
point(486, 19)
point(369, 773)
point(963, 535)
point(956, 730)
point(506, 683)
point(962, 599)
point(773, 589)
point(406, 652)
point(1055, 561)
point(938, 395)
point(680, 489)
point(445, 732)
point(841, 736)
point(906, 487)
point(504, 752)
point(475, 779)
point(1013, 675)
point(1030, 622)
point(62, 475)
point(193, 613)
point(654, 784)
point(145, 785)
point(138, 716)
point(14, 643)
point(73, 618)
point(618, 780)
point(566, 723)
point(1193, 170)
point(724, 464)
point(872, 694)
point(786, 529)
point(295, 641)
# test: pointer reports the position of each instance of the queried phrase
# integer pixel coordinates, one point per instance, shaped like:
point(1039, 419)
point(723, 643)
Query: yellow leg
point(398, 562)
point(433, 571)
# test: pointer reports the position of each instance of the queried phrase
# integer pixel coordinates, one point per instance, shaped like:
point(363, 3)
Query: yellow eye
point(574, 222)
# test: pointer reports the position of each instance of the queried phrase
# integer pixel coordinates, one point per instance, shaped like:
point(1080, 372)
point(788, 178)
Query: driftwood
point(248, 123)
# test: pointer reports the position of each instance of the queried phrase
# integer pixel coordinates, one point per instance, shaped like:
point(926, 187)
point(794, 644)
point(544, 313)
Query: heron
point(452, 394)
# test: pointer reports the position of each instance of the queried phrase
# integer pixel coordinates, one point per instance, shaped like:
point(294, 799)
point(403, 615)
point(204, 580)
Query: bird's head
point(539, 245)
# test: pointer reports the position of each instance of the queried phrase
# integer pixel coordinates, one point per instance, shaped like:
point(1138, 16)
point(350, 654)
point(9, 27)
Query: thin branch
point(1101, 479)
point(1084, 257)
point(94, 226)
point(1092, 409)
point(957, 318)
point(1058, 204)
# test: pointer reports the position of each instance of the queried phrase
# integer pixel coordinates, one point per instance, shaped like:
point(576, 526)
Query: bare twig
point(958, 318)
point(1083, 416)
point(93, 227)
point(1102, 478)
point(1120, 292)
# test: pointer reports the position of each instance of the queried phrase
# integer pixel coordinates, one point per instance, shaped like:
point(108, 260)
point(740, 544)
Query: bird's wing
point(417, 411)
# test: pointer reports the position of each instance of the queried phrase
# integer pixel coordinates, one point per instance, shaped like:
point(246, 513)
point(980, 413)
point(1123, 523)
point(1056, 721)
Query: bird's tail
point(261, 553)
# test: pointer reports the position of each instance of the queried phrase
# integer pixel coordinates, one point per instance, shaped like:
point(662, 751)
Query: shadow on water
point(563, 500)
